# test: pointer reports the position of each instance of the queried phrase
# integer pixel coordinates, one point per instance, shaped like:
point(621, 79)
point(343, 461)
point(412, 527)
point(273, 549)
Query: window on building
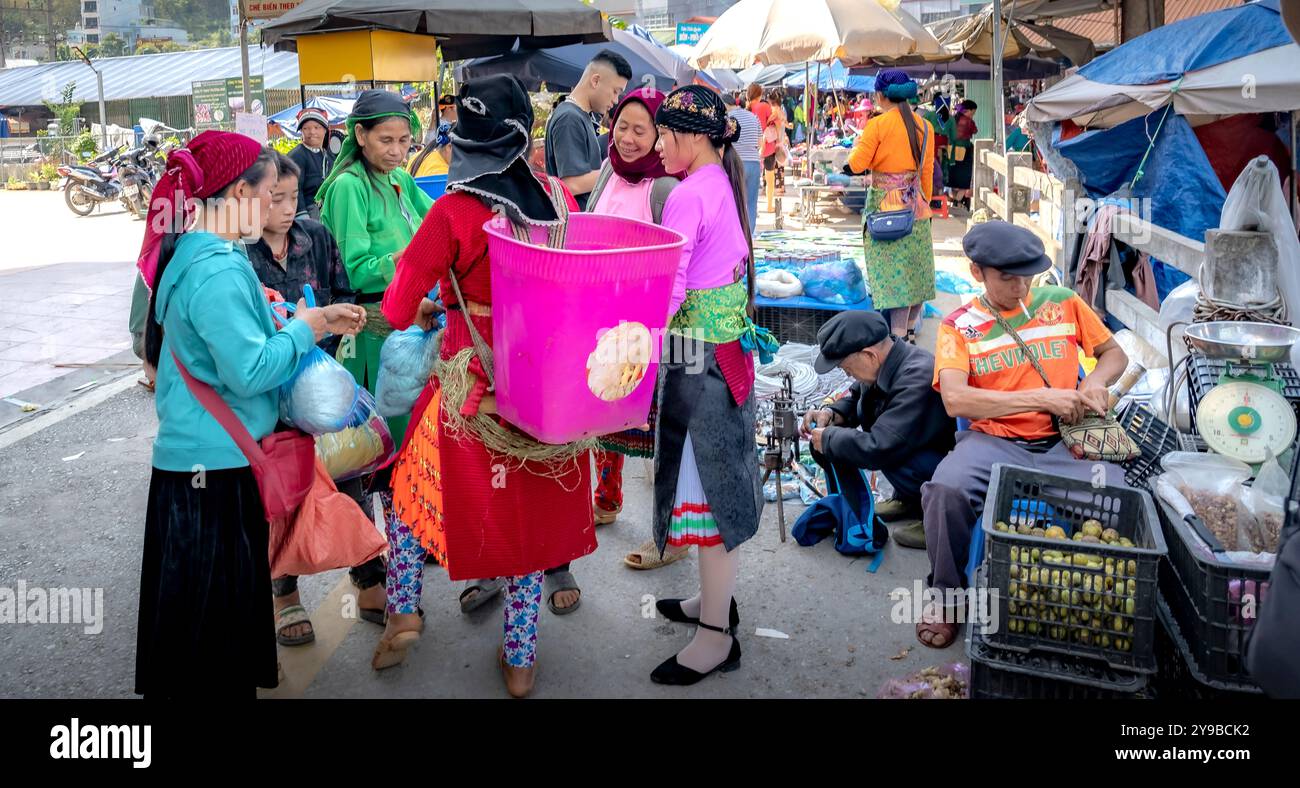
point(92, 38)
point(90, 7)
point(92, 23)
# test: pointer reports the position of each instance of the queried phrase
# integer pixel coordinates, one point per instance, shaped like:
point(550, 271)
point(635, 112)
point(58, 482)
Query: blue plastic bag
point(405, 364)
point(322, 396)
point(836, 282)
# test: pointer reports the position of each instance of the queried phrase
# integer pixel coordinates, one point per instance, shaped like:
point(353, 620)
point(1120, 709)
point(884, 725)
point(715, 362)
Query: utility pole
point(243, 56)
point(2, 35)
point(50, 41)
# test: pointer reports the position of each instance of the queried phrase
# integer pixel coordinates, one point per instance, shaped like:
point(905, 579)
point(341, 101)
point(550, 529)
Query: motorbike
point(119, 174)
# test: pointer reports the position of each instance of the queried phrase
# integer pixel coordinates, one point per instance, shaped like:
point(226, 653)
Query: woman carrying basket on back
point(485, 500)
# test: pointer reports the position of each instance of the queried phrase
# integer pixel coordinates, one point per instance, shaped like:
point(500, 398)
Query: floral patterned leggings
point(405, 586)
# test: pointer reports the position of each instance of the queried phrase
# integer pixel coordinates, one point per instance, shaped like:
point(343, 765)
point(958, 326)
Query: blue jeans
point(753, 176)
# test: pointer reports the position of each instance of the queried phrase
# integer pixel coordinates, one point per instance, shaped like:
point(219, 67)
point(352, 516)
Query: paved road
point(71, 520)
point(65, 295)
point(73, 483)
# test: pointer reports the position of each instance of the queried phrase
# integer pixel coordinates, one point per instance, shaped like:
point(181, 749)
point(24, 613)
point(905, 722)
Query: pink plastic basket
point(550, 308)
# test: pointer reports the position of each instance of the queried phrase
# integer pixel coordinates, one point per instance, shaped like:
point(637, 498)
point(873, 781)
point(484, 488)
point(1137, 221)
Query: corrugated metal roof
point(1100, 26)
point(144, 76)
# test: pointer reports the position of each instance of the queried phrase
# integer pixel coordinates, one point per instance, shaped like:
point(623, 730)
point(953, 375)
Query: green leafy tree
point(65, 110)
point(112, 45)
point(146, 49)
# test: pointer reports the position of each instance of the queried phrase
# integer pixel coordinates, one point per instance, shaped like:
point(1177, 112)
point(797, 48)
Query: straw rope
point(518, 450)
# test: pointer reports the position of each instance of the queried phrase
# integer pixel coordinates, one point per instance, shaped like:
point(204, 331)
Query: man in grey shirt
point(573, 150)
point(748, 147)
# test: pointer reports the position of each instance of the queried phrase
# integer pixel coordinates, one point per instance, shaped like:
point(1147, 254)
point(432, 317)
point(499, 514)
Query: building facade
point(132, 21)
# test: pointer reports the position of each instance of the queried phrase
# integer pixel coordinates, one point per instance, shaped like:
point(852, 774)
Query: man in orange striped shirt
point(983, 375)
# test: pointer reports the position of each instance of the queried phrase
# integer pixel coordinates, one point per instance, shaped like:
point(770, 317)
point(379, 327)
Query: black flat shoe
point(675, 674)
point(671, 609)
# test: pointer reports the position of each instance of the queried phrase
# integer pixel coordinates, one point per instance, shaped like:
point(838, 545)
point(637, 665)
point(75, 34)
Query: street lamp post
point(103, 113)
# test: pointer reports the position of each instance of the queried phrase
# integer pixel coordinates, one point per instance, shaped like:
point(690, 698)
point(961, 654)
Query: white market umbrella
point(773, 32)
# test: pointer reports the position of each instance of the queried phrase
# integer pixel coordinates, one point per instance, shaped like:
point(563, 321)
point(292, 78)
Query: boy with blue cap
point(984, 376)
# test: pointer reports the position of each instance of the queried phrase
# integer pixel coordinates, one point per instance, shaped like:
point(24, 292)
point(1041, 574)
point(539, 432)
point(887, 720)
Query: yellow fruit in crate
point(1091, 528)
point(1015, 571)
point(1132, 568)
point(1000, 526)
point(1015, 553)
point(1110, 536)
point(1033, 575)
point(1124, 541)
point(1034, 555)
point(1104, 642)
point(1056, 532)
point(1077, 579)
point(1056, 577)
point(1078, 536)
point(1132, 588)
point(1024, 529)
point(1130, 606)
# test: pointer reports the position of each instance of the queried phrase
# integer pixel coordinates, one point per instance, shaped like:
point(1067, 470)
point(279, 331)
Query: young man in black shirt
point(573, 149)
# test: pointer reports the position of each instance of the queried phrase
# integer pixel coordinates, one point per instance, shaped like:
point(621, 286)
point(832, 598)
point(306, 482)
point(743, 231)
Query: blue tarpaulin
point(336, 109)
point(1184, 193)
point(1198, 42)
point(834, 76)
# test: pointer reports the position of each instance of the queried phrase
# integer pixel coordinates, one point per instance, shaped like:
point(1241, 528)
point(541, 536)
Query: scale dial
point(1246, 421)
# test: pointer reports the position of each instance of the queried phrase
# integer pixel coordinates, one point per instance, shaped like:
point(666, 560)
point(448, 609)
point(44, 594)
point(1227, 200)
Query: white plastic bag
point(1256, 202)
point(1267, 503)
point(1212, 484)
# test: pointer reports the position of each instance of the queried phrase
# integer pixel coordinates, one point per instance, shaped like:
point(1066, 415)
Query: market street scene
point(568, 349)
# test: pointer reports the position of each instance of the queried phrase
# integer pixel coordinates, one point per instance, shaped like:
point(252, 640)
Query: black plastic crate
point(1155, 439)
point(1090, 600)
point(793, 323)
point(1203, 374)
point(1180, 675)
point(1000, 674)
point(1210, 600)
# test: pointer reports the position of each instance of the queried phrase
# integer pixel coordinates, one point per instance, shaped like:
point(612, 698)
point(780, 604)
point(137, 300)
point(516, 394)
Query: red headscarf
point(649, 165)
point(208, 164)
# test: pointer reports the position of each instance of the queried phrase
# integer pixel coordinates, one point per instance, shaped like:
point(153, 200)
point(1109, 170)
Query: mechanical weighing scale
point(1245, 415)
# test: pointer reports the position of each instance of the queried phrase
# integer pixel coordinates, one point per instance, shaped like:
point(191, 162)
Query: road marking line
point(301, 664)
point(67, 409)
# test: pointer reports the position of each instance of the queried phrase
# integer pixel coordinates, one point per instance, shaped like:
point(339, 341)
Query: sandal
point(647, 556)
point(478, 593)
point(555, 583)
point(605, 516)
point(292, 616)
point(391, 651)
point(149, 385)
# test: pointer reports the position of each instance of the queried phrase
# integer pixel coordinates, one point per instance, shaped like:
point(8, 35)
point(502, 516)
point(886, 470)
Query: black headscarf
point(490, 143)
point(695, 109)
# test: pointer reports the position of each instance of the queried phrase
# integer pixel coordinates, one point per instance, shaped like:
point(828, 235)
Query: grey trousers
point(952, 502)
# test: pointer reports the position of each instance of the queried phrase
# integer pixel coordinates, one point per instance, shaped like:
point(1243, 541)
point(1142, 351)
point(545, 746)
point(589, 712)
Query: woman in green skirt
point(900, 272)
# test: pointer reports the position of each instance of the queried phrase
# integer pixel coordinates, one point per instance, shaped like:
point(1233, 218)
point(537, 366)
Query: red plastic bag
point(329, 531)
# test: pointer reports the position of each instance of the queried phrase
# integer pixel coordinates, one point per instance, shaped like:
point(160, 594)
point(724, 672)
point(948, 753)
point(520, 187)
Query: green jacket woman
point(373, 208)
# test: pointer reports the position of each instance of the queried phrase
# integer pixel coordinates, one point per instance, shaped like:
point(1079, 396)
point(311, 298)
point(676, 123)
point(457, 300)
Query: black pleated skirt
point(207, 622)
point(694, 397)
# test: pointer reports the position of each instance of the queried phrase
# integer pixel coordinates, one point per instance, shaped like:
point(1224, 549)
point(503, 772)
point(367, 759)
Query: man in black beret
point(986, 378)
point(892, 420)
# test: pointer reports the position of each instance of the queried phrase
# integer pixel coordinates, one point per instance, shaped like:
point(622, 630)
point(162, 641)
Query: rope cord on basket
point(517, 448)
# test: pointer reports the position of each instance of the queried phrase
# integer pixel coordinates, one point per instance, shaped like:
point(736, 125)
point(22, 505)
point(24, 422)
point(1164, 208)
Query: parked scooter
point(125, 175)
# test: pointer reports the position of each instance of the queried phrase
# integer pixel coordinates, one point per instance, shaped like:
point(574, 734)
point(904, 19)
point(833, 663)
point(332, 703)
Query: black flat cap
point(846, 334)
point(1007, 248)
